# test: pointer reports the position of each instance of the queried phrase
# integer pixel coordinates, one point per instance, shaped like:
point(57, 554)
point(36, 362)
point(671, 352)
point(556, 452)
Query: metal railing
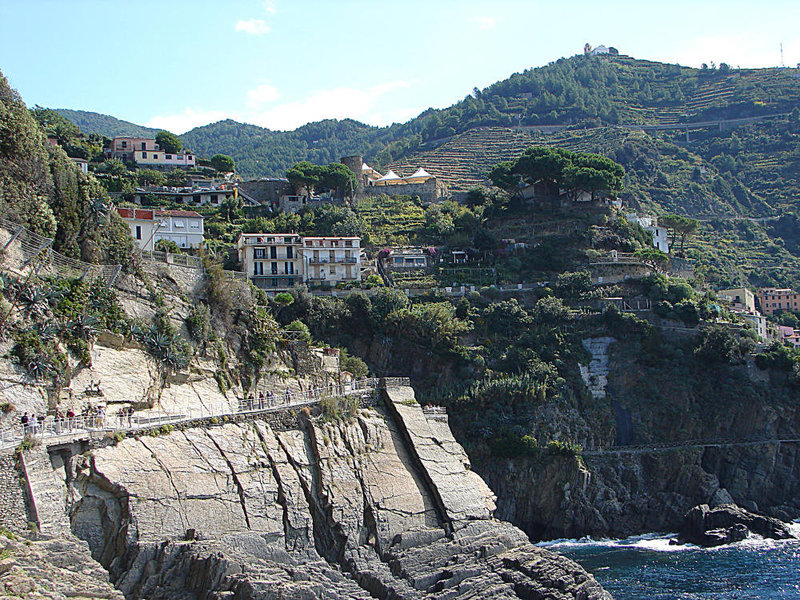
point(65, 429)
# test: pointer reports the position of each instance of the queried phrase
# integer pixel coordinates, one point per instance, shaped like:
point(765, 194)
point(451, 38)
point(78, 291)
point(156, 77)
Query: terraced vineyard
point(391, 221)
point(465, 159)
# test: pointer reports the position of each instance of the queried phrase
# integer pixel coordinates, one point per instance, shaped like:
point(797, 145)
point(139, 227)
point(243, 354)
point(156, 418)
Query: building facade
point(772, 300)
point(331, 259)
point(278, 261)
point(659, 233)
point(142, 225)
point(146, 153)
point(189, 196)
point(739, 299)
point(271, 260)
point(184, 227)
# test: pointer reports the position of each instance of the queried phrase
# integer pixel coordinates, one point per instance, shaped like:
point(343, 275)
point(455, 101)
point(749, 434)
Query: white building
point(331, 259)
point(278, 261)
point(184, 227)
point(648, 223)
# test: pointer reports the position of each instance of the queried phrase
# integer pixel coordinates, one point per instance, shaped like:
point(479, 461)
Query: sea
point(647, 567)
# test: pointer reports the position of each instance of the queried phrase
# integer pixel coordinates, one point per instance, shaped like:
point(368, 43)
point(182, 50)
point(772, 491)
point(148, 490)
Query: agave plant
point(38, 366)
point(85, 327)
point(35, 300)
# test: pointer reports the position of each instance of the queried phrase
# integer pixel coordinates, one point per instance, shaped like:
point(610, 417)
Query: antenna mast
point(782, 65)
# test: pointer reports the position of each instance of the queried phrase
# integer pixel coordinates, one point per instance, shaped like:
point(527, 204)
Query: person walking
point(25, 420)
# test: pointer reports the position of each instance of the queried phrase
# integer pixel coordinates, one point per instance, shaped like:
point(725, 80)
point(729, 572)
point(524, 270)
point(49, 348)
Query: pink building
point(771, 300)
point(146, 153)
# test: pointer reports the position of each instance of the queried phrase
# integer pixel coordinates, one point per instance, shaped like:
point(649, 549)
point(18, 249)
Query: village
point(277, 261)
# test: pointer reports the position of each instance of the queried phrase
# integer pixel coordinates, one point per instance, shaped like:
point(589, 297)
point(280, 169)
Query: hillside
point(106, 125)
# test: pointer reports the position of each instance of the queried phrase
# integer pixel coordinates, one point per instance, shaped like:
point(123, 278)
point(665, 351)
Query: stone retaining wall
point(13, 515)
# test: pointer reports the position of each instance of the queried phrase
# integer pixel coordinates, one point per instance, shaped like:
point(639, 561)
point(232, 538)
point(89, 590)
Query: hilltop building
point(372, 182)
point(147, 225)
point(278, 261)
point(145, 152)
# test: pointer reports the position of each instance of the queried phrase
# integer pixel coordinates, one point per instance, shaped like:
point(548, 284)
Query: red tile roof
point(136, 213)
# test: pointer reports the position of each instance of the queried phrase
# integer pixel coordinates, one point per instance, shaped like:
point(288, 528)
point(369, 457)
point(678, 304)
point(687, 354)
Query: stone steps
point(46, 492)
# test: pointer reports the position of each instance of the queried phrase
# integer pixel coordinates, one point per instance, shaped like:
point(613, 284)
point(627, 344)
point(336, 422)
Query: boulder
point(726, 524)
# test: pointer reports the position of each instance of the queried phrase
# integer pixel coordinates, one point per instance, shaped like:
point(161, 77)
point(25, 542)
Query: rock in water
point(726, 524)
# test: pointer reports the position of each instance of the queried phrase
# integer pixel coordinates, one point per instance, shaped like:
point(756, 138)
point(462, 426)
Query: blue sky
point(281, 63)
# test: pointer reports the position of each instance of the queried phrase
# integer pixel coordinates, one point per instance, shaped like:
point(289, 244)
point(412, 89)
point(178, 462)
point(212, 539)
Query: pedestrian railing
point(68, 428)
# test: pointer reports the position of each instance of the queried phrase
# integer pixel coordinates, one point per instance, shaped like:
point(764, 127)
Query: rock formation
point(384, 505)
point(726, 524)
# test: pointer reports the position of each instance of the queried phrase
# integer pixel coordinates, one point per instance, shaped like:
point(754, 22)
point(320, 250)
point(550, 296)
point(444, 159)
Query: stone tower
point(354, 163)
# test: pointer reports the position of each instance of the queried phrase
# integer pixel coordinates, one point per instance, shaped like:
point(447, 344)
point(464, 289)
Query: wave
point(660, 542)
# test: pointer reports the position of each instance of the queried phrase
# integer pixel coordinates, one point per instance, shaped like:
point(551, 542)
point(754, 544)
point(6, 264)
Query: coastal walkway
point(66, 430)
point(688, 444)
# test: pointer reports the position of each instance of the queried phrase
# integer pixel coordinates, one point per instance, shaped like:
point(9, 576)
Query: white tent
point(369, 172)
point(391, 178)
point(419, 176)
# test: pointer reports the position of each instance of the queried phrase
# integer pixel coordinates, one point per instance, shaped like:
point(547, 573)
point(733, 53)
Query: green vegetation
point(169, 142)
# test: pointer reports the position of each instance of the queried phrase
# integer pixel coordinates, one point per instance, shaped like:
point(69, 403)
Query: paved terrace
point(81, 427)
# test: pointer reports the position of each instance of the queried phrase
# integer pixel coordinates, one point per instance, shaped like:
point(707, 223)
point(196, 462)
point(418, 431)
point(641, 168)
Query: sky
point(282, 63)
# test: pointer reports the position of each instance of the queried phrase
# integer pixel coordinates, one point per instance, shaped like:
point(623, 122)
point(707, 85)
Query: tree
point(339, 179)
point(681, 226)
point(167, 246)
point(168, 142)
point(305, 175)
point(231, 207)
point(150, 177)
point(223, 163)
point(653, 257)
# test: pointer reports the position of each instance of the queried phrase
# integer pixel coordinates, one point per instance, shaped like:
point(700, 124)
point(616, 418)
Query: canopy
point(391, 178)
point(419, 176)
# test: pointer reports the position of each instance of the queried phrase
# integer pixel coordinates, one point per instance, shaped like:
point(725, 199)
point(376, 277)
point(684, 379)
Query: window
point(332, 270)
point(258, 268)
point(334, 243)
point(273, 252)
point(348, 243)
point(287, 240)
point(194, 224)
point(138, 232)
point(259, 253)
point(179, 223)
point(168, 156)
point(155, 156)
point(197, 198)
point(274, 268)
point(144, 145)
point(144, 154)
point(289, 253)
point(124, 144)
point(288, 268)
point(214, 199)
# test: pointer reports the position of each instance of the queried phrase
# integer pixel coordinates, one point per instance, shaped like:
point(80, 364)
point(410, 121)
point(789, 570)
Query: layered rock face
point(384, 505)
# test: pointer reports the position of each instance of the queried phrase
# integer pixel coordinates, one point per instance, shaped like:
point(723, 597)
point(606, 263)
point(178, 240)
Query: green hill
point(92, 122)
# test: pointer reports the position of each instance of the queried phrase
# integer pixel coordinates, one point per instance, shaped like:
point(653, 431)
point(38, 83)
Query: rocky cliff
point(614, 492)
point(383, 505)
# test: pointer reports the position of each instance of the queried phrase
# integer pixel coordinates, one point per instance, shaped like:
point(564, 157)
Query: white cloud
point(252, 26)
point(269, 7)
point(263, 94)
point(338, 103)
point(485, 22)
point(182, 122)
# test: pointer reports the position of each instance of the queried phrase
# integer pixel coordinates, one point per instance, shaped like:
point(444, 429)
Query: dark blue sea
point(648, 568)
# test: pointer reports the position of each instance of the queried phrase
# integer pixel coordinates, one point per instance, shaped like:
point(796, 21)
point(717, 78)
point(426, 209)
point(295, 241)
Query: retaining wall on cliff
point(13, 514)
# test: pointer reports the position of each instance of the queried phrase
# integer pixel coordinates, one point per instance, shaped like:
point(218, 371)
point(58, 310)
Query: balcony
point(351, 260)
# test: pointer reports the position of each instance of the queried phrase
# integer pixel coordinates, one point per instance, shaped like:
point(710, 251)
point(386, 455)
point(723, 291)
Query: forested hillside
point(106, 125)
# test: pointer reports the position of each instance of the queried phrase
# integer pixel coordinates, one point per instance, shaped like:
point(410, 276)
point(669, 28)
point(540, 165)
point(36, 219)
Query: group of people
point(263, 401)
point(91, 417)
